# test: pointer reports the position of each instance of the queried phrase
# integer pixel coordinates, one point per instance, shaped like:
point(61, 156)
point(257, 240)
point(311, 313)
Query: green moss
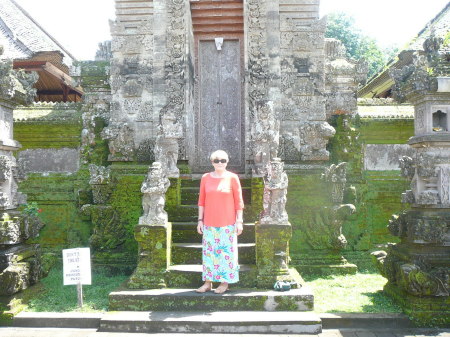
point(48, 134)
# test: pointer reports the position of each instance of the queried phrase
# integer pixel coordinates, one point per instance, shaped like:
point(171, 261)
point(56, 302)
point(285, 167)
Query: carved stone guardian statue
point(275, 191)
point(154, 199)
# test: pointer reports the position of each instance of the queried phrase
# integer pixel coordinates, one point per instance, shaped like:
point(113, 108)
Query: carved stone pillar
point(417, 267)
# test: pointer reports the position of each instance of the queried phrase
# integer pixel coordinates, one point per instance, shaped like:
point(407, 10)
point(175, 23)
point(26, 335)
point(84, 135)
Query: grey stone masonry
point(288, 66)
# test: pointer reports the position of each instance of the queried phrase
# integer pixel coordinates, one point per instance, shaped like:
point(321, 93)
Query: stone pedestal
point(272, 255)
point(154, 243)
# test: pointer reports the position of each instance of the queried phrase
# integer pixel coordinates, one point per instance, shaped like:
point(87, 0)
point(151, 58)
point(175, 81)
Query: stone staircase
point(178, 308)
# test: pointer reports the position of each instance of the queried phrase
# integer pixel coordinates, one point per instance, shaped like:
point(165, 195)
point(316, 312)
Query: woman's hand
point(239, 227)
point(200, 227)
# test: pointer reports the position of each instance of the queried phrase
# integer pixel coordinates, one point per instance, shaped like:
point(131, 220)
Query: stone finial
point(275, 192)
point(154, 199)
point(104, 52)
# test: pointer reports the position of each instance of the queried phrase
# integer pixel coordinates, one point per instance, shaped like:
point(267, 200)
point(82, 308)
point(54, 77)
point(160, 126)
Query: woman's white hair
point(219, 154)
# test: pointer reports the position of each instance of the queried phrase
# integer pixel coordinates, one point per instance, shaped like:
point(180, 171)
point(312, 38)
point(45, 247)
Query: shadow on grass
point(380, 303)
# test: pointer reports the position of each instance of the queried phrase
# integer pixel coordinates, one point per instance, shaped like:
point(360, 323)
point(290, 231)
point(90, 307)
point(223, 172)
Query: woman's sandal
point(221, 289)
point(203, 289)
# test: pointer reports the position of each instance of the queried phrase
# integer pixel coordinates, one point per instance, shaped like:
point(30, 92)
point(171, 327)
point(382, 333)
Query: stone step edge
point(92, 320)
point(211, 322)
point(365, 320)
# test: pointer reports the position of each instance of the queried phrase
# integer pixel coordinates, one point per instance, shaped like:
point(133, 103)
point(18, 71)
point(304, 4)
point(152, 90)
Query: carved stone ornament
point(100, 180)
point(120, 142)
point(275, 194)
point(16, 84)
point(313, 140)
point(167, 145)
point(5, 168)
point(9, 230)
point(336, 176)
point(154, 199)
point(265, 135)
point(407, 167)
point(5, 202)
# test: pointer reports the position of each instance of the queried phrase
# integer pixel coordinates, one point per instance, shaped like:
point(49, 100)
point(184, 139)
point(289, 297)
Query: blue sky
point(79, 26)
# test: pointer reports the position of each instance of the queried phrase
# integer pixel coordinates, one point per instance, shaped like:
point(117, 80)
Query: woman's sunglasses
point(217, 161)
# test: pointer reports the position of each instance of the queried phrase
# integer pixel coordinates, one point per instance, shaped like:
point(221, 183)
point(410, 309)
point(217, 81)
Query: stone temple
point(112, 150)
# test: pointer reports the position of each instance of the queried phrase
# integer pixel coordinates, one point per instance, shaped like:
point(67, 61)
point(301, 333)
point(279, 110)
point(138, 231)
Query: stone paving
point(40, 332)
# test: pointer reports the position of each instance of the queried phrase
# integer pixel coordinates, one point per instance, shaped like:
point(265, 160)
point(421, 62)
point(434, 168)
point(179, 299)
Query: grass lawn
point(57, 297)
point(361, 292)
point(335, 293)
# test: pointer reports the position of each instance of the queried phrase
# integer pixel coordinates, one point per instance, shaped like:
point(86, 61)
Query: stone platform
point(234, 300)
point(242, 322)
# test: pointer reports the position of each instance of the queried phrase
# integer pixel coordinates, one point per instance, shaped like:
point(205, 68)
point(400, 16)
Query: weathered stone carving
point(9, 230)
point(265, 136)
point(407, 167)
point(120, 142)
point(336, 176)
point(166, 147)
point(313, 139)
point(100, 180)
point(153, 201)
point(275, 192)
point(5, 168)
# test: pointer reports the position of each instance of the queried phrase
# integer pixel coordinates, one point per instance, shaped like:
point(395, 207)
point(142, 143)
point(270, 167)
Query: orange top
point(221, 198)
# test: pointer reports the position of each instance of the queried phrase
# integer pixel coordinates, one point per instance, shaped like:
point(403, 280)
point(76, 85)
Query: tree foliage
point(342, 26)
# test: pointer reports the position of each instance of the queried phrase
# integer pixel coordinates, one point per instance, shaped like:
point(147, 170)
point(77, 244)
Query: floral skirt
point(220, 254)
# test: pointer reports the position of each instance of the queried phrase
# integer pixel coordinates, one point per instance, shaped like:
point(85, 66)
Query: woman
point(220, 221)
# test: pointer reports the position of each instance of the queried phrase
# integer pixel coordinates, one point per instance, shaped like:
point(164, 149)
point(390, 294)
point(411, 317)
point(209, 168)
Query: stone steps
point(183, 232)
point(235, 299)
point(190, 276)
point(191, 253)
point(212, 322)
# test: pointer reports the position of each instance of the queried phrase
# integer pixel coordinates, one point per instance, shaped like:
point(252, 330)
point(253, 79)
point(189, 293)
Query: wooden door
point(219, 104)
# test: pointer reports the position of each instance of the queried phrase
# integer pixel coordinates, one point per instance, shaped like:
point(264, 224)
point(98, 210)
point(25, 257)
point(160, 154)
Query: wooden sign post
point(77, 269)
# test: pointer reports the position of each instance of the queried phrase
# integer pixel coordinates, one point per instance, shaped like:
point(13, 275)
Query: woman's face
point(220, 163)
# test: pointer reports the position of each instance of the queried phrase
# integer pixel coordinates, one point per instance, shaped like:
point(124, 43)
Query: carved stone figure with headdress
point(275, 192)
point(154, 199)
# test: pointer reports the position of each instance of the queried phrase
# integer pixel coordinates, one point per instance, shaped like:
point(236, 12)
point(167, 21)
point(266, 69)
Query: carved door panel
point(219, 102)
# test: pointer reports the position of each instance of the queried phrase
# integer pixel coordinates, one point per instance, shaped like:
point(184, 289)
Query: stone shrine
point(417, 267)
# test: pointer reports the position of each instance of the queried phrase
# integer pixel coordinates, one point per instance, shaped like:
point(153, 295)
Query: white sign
point(77, 266)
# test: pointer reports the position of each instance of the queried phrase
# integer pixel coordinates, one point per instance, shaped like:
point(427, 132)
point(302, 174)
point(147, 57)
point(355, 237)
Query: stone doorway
point(219, 118)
